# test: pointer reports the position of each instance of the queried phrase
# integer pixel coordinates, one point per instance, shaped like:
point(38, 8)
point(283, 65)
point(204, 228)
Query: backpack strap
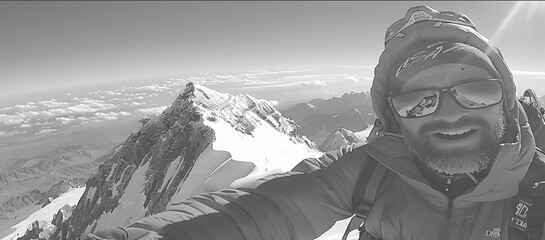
point(527, 208)
point(371, 178)
point(536, 116)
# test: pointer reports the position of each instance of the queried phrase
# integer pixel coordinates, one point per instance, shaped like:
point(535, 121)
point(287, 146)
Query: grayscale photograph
point(272, 120)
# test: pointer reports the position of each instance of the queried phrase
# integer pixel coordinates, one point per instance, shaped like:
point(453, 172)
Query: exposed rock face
point(148, 171)
point(338, 139)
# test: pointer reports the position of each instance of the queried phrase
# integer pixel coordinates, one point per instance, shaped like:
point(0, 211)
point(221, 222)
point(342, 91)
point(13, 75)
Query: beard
point(457, 162)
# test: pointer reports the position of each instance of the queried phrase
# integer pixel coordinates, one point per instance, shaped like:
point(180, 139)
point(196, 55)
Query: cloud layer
point(53, 115)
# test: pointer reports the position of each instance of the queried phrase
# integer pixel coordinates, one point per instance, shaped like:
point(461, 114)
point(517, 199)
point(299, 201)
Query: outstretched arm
point(294, 206)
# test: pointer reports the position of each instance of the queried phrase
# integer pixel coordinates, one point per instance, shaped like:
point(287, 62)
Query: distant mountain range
point(319, 118)
point(29, 182)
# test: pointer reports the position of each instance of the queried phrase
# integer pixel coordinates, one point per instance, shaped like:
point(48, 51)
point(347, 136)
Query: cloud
point(273, 102)
point(25, 106)
point(136, 94)
point(267, 73)
point(108, 92)
point(25, 125)
point(156, 110)
point(90, 107)
point(83, 120)
point(122, 113)
point(154, 87)
point(11, 133)
point(351, 78)
point(28, 114)
point(46, 130)
point(174, 82)
point(112, 93)
point(119, 99)
point(62, 109)
point(135, 104)
point(314, 83)
point(55, 112)
point(64, 120)
point(106, 116)
point(10, 119)
point(224, 77)
point(53, 103)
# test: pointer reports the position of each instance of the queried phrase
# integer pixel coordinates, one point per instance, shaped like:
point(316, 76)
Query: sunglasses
point(469, 95)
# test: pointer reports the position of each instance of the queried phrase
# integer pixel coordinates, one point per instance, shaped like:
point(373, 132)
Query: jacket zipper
point(449, 214)
point(451, 202)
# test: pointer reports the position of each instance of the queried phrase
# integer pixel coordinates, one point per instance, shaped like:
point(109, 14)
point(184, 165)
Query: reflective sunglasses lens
point(416, 104)
point(478, 94)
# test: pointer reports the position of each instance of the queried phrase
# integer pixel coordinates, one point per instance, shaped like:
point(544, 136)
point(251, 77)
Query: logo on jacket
point(495, 233)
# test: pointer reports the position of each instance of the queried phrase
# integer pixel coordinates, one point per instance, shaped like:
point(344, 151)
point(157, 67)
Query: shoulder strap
point(372, 176)
point(536, 116)
point(527, 208)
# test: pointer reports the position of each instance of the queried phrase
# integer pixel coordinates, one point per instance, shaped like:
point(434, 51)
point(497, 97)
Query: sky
point(52, 45)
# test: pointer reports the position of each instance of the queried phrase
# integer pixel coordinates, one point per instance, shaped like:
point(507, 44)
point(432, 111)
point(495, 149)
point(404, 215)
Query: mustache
point(463, 122)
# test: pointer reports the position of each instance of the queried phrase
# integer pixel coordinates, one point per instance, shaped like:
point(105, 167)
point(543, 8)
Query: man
point(454, 135)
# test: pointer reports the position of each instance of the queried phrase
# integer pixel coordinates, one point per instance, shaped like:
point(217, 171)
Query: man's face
point(453, 140)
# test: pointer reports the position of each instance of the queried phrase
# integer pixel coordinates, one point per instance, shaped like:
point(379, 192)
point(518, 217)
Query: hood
point(425, 24)
point(435, 30)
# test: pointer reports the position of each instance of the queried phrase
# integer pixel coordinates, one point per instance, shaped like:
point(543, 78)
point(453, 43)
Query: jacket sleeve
point(289, 206)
